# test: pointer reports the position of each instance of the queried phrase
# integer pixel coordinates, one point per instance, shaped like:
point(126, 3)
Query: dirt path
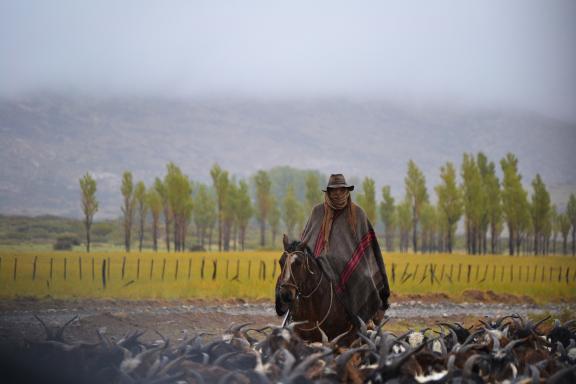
point(170, 318)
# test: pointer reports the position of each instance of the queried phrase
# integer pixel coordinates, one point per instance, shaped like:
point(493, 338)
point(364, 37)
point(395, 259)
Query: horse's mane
point(293, 246)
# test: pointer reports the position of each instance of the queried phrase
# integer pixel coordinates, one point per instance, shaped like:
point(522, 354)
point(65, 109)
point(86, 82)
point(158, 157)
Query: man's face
point(336, 193)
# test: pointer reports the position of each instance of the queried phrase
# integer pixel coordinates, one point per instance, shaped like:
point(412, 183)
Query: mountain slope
point(49, 141)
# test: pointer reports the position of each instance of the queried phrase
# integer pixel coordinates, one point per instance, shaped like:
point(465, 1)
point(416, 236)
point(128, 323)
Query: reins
point(307, 296)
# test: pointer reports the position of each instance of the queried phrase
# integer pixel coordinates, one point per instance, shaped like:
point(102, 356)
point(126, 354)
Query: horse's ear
point(285, 241)
point(302, 246)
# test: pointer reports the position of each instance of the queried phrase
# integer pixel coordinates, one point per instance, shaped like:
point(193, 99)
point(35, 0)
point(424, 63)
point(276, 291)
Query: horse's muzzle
point(284, 297)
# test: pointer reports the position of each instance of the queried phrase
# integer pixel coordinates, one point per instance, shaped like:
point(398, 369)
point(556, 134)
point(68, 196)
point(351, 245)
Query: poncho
point(353, 262)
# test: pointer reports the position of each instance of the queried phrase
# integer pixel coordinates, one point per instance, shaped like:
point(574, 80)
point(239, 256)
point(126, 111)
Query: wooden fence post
point(123, 266)
point(477, 271)
point(65, 267)
point(260, 270)
point(163, 268)
point(567, 274)
point(512, 273)
point(442, 272)
point(264, 271)
point(189, 267)
point(227, 265)
point(485, 274)
point(459, 271)
point(468, 274)
point(202, 268)
point(393, 273)
point(215, 263)
point(34, 268)
point(249, 268)
point(138, 269)
point(104, 273)
point(405, 271)
point(415, 272)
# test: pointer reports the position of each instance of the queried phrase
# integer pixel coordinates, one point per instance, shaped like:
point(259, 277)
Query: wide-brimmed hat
point(338, 181)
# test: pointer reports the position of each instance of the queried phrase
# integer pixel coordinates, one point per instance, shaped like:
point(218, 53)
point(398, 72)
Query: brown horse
point(304, 289)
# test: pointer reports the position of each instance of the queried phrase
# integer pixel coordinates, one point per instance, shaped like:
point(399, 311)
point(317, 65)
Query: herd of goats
point(510, 349)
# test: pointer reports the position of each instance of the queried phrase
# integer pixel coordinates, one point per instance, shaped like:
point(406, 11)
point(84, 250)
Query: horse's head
point(294, 265)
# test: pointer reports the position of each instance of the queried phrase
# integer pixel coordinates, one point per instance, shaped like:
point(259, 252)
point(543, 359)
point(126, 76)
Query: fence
point(105, 269)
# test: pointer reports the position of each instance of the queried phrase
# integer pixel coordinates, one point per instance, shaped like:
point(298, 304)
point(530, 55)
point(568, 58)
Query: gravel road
point(17, 321)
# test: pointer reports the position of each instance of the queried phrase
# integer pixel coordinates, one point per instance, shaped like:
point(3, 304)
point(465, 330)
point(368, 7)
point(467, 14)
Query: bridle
point(294, 284)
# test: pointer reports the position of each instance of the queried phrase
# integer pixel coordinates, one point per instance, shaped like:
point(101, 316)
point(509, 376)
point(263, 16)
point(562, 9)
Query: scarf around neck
point(333, 207)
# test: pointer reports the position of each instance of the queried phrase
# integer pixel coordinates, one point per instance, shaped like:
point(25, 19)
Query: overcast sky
point(517, 53)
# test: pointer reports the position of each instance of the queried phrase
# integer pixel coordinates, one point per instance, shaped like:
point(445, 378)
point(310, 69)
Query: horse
point(306, 291)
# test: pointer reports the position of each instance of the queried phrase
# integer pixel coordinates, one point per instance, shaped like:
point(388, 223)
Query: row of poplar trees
point(487, 204)
point(225, 209)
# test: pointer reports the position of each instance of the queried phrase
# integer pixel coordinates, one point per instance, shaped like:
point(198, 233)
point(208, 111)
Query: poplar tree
point(162, 192)
point(220, 183)
point(128, 208)
point(229, 216)
point(154, 202)
point(493, 205)
point(367, 199)
point(179, 193)
point(313, 190)
point(89, 203)
point(404, 224)
point(571, 212)
point(484, 217)
point(555, 227)
point(449, 202)
point(472, 197)
point(564, 225)
point(290, 211)
point(387, 214)
point(205, 214)
point(428, 219)
point(141, 208)
point(514, 202)
point(263, 202)
point(274, 218)
point(540, 209)
point(244, 211)
point(416, 196)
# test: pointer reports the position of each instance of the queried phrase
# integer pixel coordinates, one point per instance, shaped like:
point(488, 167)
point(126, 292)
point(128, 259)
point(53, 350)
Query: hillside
point(49, 141)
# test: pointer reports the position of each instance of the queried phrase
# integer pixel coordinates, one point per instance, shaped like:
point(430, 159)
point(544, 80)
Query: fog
point(512, 54)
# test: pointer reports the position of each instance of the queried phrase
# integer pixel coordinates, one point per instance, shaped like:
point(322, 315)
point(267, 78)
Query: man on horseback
point(342, 239)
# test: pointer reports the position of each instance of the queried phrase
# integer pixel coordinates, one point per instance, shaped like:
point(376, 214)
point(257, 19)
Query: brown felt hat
point(338, 181)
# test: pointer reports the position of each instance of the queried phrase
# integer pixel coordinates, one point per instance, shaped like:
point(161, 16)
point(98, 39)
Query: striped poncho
point(353, 262)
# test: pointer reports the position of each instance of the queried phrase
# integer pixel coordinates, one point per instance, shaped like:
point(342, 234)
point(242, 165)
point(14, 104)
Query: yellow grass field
point(252, 275)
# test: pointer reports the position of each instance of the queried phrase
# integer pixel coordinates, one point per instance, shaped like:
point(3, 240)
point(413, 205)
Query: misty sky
point(512, 53)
